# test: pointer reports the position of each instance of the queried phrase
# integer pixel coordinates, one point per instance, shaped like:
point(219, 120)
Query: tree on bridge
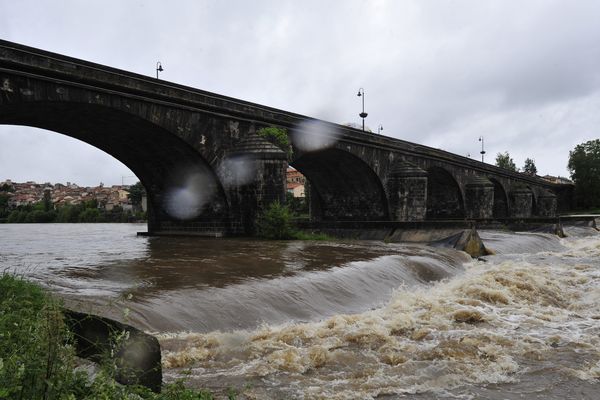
point(584, 165)
point(503, 160)
point(278, 137)
point(529, 168)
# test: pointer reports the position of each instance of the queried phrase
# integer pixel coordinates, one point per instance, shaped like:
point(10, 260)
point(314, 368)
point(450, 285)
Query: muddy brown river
point(339, 319)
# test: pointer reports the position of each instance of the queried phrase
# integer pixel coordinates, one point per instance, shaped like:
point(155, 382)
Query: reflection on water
point(340, 320)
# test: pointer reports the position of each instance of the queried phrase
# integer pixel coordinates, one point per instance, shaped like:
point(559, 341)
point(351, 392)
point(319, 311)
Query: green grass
point(37, 361)
point(276, 223)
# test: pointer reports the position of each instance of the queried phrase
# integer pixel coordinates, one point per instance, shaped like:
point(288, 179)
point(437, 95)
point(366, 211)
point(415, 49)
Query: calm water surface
point(345, 320)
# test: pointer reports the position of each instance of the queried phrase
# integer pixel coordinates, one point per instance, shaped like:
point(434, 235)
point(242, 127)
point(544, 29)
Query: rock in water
point(136, 354)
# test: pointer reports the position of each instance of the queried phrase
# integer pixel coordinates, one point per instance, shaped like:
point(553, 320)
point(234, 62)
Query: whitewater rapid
point(513, 325)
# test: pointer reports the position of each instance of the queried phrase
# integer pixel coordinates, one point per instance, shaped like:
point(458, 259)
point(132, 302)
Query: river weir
point(341, 319)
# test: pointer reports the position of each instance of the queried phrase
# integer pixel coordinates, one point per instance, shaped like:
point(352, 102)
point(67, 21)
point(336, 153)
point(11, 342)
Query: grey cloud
point(526, 75)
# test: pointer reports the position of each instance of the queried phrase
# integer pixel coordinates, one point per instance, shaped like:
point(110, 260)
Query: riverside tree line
point(584, 167)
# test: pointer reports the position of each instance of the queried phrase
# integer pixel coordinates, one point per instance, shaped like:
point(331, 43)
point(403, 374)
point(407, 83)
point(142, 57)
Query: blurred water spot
point(190, 190)
point(314, 135)
point(236, 171)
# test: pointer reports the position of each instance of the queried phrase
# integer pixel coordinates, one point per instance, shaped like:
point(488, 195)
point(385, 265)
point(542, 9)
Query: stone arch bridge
point(207, 172)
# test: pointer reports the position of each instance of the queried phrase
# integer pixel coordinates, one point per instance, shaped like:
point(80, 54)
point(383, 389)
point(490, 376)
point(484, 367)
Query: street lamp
point(482, 152)
point(363, 114)
point(159, 68)
point(379, 129)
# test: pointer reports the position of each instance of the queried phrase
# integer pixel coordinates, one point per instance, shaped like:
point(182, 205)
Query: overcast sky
point(523, 74)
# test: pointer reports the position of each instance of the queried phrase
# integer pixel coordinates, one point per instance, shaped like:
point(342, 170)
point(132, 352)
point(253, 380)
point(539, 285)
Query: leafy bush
point(68, 213)
point(35, 362)
point(277, 136)
point(90, 215)
point(37, 216)
point(275, 222)
point(16, 216)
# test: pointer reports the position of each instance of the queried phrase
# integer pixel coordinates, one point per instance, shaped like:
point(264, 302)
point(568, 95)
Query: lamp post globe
point(159, 68)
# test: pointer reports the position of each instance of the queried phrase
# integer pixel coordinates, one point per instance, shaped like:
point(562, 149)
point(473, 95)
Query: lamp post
point(379, 129)
point(363, 114)
point(482, 152)
point(159, 68)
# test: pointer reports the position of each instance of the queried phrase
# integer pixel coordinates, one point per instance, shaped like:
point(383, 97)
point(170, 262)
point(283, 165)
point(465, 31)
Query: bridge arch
point(501, 201)
point(342, 186)
point(166, 165)
point(445, 199)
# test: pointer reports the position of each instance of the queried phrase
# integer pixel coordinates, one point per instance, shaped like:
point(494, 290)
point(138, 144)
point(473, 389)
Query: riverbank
point(38, 360)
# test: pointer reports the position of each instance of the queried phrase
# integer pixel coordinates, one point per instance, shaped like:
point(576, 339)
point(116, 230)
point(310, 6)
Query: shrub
point(275, 222)
point(90, 215)
point(277, 136)
point(35, 362)
point(68, 213)
point(17, 216)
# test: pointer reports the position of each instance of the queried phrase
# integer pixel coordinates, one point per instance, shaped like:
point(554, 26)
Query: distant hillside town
point(32, 202)
point(23, 202)
point(59, 194)
point(107, 197)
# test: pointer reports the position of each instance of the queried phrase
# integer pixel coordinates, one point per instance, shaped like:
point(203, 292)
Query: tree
point(5, 187)
point(3, 205)
point(47, 201)
point(529, 167)
point(136, 192)
point(503, 160)
point(275, 222)
point(584, 166)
